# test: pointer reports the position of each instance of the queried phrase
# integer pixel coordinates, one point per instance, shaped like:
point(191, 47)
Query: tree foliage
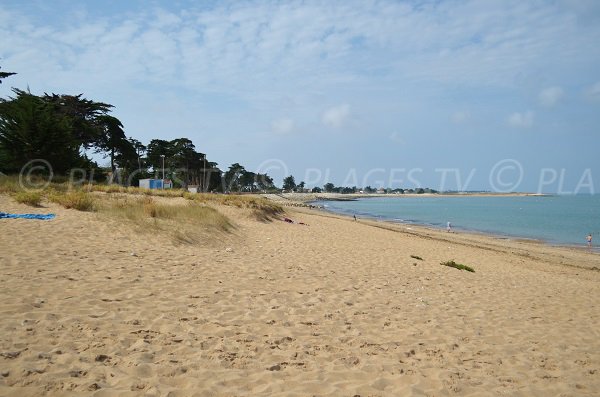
point(60, 128)
point(289, 183)
point(4, 75)
point(329, 187)
point(112, 140)
point(31, 129)
point(85, 116)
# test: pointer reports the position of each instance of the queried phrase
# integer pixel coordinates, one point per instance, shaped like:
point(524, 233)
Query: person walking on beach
point(589, 240)
point(354, 218)
point(449, 227)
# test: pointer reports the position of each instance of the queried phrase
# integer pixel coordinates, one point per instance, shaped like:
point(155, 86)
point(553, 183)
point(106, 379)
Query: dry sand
point(335, 308)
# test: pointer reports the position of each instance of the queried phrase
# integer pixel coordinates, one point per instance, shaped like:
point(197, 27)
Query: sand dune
point(333, 308)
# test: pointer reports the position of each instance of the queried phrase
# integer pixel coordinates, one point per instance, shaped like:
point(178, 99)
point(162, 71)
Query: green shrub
point(30, 198)
point(458, 266)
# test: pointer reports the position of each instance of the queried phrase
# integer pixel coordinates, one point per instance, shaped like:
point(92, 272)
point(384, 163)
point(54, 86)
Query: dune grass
point(183, 221)
point(458, 266)
point(9, 184)
point(186, 223)
point(135, 190)
point(33, 198)
point(262, 209)
point(76, 199)
point(60, 193)
point(191, 213)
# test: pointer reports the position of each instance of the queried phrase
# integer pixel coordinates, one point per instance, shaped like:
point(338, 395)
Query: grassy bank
point(187, 221)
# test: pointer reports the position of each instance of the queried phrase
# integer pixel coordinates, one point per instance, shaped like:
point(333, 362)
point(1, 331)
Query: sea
point(557, 220)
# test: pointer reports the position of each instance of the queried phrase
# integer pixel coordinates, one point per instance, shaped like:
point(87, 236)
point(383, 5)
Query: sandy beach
point(334, 307)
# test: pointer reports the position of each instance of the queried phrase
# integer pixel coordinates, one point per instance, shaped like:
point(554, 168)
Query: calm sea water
point(555, 219)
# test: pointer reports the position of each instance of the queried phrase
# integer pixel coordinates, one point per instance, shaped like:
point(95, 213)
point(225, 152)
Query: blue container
point(156, 184)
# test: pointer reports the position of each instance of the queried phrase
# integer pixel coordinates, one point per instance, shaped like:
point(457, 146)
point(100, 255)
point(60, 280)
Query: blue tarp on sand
point(27, 216)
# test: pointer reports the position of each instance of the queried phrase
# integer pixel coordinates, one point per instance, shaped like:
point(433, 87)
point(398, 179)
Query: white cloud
point(594, 91)
point(240, 46)
point(550, 96)
point(461, 117)
point(336, 116)
point(523, 120)
point(397, 138)
point(282, 126)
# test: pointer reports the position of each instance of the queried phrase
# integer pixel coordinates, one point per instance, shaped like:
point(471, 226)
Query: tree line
point(289, 185)
point(61, 129)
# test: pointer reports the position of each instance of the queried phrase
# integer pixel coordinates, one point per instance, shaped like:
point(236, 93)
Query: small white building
point(150, 183)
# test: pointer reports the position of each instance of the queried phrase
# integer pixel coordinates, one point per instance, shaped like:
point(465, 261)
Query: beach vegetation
point(194, 213)
point(416, 257)
point(74, 199)
point(86, 197)
point(262, 208)
point(458, 266)
point(196, 206)
point(31, 198)
point(185, 222)
point(8, 184)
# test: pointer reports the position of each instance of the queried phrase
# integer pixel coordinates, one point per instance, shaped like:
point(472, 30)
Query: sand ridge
point(335, 307)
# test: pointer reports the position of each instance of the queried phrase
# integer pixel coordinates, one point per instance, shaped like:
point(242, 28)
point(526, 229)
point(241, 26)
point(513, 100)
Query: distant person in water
point(589, 240)
point(449, 227)
point(355, 217)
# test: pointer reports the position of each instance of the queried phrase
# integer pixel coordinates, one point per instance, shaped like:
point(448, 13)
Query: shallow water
point(555, 219)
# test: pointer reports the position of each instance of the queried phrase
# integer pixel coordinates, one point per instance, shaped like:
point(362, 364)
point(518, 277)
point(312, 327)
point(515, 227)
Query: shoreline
point(307, 198)
point(511, 245)
point(474, 232)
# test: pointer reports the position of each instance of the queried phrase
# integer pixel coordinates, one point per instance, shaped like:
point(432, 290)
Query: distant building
point(156, 183)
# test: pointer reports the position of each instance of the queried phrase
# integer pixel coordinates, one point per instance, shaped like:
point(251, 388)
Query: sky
point(451, 95)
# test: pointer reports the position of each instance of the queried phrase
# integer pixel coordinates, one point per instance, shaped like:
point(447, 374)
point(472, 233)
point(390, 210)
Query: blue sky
point(482, 95)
